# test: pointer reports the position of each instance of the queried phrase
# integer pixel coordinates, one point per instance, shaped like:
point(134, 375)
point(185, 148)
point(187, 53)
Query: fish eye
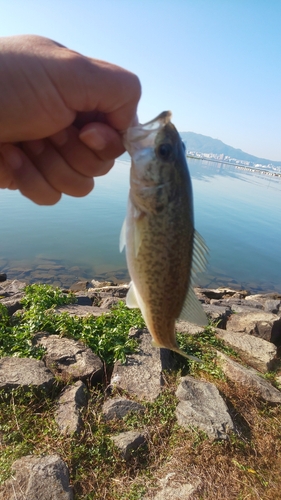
point(165, 151)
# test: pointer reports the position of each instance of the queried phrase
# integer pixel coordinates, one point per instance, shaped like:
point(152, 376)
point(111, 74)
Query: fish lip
point(142, 136)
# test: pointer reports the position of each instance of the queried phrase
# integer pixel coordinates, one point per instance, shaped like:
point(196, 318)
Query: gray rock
point(186, 327)
point(272, 306)
point(249, 378)
point(259, 324)
point(69, 358)
point(109, 302)
point(202, 406)
point(3, 277)
point(218, 314)
point(13, 303)
point(129, 441)
point(10, 287)
point(77, 310)
point(141, 375)
point(171, 488)
point(80, 286)
point(256, 352)
point(114, 291)
point(24, 372)
point(120, 407)
point(67, 415)
point(238, 305)
point(38, 478)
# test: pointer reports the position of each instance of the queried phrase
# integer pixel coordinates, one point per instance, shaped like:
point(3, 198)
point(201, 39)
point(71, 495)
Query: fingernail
point(36, 147)
point(93, 138)
point(12, 157)
point(60, 138)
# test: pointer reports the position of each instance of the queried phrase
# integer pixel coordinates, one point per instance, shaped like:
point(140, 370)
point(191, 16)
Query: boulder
point(256, 352)
point(129, 441)
point(69, 358)
point(67, 415)
point(141, 375)
point(34, 478)
point(78, 310)
point(186, 327)
point(261, 324)
point(202, 406)
point(3, 277)
point(13, 303)
point(120, 407)
point(24, 372)
point(171, 488)
point(218, 314)
point(249, 378)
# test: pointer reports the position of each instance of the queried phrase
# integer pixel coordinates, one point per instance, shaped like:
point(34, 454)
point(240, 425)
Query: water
point(238, 213)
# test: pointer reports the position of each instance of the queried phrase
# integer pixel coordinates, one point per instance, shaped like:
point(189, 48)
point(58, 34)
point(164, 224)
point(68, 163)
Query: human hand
point(61, 117)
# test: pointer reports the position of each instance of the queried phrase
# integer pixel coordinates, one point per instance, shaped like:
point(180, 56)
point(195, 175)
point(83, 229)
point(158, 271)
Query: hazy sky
point(216, 64)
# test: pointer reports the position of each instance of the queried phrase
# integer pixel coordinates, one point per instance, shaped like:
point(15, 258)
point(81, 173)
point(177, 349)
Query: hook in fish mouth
point(142, 136)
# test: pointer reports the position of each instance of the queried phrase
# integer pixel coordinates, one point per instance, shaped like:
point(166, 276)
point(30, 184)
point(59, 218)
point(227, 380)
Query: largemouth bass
point(163, 250)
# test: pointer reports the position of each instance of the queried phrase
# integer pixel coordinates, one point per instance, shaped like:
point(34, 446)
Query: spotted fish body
point(162, 246)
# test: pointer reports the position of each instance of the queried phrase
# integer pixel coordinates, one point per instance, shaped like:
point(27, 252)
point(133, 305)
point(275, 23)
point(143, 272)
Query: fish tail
point(178, 351)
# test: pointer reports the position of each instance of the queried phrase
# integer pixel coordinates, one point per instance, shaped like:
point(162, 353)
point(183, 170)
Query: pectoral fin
point(132, 297)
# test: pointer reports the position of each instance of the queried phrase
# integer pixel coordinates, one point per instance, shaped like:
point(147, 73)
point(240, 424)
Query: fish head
point(158, 162)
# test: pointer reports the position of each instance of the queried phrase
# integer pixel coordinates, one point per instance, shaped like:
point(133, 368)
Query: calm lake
point(237, 212)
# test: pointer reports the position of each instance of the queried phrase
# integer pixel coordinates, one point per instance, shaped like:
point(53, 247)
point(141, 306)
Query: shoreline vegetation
point(86, 400)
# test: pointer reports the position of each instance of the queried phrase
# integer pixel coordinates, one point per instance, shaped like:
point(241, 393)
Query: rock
point(69, 358)
point(77, 310)
point(13, 303)
point(109, 302)
point(217, 314)
point(120, 407)
point(249, 378)
point(202, 406)
point(190, 328)
point(70, 401)
point(129, 441)
point(260, 324)
point(34, 478)
point(114, 291)
point(12, 291)
point(10, 287)
point(172, 489)
point(272, 306)
point(3, 277)
point(24, 372)
point(256, 352)
point(101, 284)
point(141, 375)
point(238, 305)
point(80, 286)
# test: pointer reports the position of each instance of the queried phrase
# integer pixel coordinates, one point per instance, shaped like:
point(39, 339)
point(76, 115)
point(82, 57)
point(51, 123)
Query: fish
point(164, 252)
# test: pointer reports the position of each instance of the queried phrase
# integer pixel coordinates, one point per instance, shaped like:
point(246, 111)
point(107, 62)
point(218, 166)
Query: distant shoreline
point(239, 167)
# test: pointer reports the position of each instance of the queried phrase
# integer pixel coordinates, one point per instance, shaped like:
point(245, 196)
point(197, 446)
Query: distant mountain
point(204, 144)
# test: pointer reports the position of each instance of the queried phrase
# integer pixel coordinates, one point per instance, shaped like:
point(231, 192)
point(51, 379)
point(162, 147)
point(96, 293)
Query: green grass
point(107, 335)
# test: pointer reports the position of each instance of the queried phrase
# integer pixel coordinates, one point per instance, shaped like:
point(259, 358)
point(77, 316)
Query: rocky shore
point(249, 324)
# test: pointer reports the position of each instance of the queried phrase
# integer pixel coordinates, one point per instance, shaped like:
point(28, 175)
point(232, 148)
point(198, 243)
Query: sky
point(216, 64)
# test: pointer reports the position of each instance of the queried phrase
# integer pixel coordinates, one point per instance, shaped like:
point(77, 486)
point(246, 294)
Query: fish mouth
point(142, 136)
